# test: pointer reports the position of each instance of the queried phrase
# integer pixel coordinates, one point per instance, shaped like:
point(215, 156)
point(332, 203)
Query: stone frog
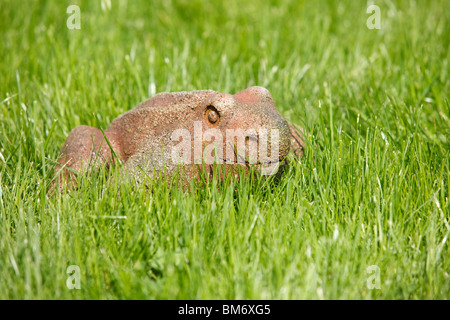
point(194, 131)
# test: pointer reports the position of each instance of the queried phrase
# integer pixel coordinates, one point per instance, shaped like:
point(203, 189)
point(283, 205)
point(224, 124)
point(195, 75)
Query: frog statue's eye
point(212, 116)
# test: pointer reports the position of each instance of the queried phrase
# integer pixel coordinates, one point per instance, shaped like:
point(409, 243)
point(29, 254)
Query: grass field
point(368, 204)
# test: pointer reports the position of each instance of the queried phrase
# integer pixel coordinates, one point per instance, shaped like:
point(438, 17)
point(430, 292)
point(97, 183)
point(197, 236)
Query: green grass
point(371, 189)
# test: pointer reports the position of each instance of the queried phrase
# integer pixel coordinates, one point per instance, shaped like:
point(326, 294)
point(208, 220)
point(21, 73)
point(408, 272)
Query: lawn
point(365, 214)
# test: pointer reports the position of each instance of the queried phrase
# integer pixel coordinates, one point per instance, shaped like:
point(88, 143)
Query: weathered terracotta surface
point(142, 138)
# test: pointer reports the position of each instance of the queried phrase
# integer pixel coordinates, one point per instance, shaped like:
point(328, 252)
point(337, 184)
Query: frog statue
point(195, 130)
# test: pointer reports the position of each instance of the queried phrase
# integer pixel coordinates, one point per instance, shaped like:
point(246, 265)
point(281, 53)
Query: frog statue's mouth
point(264, 151)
